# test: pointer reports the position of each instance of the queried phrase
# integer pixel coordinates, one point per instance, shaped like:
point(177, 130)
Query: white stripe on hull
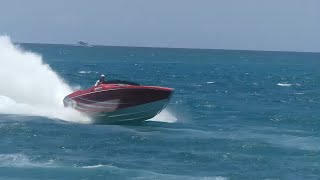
point(109, 102)
point(94, 105)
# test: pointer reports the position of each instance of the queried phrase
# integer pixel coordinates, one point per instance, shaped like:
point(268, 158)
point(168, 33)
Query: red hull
point(110, 98)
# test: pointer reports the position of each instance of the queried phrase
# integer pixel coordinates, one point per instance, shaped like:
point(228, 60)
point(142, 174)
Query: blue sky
point(284, 25)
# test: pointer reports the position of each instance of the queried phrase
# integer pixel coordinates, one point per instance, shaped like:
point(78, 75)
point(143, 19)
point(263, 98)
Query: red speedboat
point(120, 101)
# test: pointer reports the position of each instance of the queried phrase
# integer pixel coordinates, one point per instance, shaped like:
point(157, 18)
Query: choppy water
point(240, 115)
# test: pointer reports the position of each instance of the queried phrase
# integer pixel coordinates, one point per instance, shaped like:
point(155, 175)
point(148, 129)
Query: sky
point(280, 25)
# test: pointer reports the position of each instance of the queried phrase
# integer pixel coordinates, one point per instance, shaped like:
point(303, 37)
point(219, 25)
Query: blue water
point(240, 115)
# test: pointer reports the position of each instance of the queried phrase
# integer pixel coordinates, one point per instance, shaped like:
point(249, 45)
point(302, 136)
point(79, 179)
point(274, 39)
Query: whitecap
point(95, 166)
point(21, 160)
point(298, 93)
point(84, 72)
point(209, 106)
point(284, 84)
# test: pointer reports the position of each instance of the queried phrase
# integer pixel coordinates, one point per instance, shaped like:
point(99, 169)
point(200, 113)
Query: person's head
point(102, 77)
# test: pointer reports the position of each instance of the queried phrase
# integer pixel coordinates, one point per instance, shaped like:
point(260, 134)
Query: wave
point(284, 84)
point(210, 82)
point(14, 160)
point(21, 160)
point(276, 137)
point(84, 72)
point(145, 174)
point(96, 166)
point(287, 84)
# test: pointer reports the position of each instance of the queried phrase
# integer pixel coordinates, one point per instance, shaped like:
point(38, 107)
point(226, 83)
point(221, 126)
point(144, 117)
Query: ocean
point(233, 115)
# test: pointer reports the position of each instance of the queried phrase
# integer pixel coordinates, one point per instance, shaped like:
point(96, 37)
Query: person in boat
point(102, 80)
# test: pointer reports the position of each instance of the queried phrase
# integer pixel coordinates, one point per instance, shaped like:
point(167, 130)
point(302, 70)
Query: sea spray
point(165, 116)
point(31, 87)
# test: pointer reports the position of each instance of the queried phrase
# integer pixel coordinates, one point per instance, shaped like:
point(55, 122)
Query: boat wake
point(31, 87)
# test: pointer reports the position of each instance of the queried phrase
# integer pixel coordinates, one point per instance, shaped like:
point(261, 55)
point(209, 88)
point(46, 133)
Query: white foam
point(284, 84)
point(84, 72)
point(13, 160)
point(299, 93)
point(21, 160)
point(31, 87)
point(165, 116)
point(95, 166)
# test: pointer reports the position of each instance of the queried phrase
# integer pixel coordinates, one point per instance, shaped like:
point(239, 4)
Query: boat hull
point(135, 114)
point(120, 103)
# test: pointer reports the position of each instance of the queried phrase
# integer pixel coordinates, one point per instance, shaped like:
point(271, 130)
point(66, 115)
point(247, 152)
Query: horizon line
point(163, 47)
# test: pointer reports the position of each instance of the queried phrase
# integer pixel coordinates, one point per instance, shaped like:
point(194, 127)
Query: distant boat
point(82, 43)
